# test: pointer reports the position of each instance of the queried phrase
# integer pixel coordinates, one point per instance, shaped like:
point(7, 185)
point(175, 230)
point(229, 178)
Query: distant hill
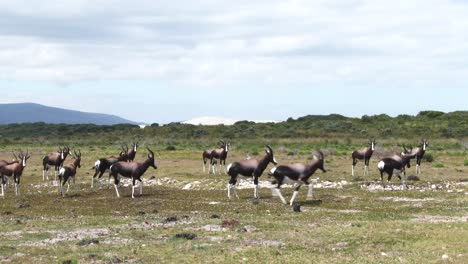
point(31, 113)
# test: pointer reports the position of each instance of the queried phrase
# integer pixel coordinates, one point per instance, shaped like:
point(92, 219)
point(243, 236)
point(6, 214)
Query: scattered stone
point(247, 229)
point(188, 236)
point(297, 207)
point(116, 260)
point(68, 261)
point(213, 228)
point(230, 223)
point(18, 222)
point(155, 211)
point(8, 213)
point(171, 219)
point(445, 257)
point(24, 206)
point(141, 213)
point(413, 178)
point(86, 242)
point(383, 254)
point(255, 201)
point(215, 216)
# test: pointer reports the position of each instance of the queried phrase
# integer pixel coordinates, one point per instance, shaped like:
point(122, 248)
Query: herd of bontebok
point(124, 166)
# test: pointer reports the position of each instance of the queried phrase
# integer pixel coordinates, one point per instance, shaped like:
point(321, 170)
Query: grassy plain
point(350, 221)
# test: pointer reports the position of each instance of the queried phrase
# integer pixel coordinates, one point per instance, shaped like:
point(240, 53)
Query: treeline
point(430, 124)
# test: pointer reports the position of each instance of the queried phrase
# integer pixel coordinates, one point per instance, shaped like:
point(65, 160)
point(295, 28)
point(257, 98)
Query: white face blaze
point(135, 148)
point(61, 154)
point(424, 145)
point(24, 161)
point(373, 146)
point(227, 148)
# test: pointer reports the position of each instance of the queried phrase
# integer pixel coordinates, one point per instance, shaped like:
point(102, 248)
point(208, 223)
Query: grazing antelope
point(133, 170)
point(132, 152)
point(395, 165)
point(418, 153)
point(14, 169)
point(363, 154)
point(103, 165)
point(215, 154)
point(249, 168)
point(69, 171)
point(299, 174)
point(54, 159)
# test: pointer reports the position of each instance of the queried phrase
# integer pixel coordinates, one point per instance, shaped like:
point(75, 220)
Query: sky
point(166, 61)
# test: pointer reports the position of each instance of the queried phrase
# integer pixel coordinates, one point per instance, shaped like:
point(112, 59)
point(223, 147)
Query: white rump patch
point(229, 167)
point(62, 171)
point(272, 171)
point(381, 165)
point(97, 164)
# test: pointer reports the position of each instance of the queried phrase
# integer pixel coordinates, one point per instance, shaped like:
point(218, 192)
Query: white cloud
point(224, 43)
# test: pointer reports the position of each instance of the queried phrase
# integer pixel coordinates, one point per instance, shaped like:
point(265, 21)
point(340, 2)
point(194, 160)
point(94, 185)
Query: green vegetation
point(184, 215)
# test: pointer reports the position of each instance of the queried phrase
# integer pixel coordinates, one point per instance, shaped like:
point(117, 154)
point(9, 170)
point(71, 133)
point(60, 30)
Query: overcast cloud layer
point(267, 46)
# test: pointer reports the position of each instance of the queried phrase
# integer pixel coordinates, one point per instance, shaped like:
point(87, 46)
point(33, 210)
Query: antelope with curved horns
point(54, 159)
point(103, 165)
point(249, 168)
point(69, 171)
point(14, 169)
point(418, 153)
point(395, 165)
point(216, 154)
point(297, 173)
point(133, 170)
point(363, 154)
point(4, 162)
point(132, 152)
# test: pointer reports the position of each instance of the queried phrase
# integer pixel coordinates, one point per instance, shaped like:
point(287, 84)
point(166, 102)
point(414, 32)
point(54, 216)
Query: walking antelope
point(54, 159)
point(133, 170)
point(14, 169)
point(363, 154)
point(299, 174)
point(69, 171)
point(132, 152)
point(215, 154)
point(418, 153)
point(395, 165)
point(103, 165)
point(249, 168)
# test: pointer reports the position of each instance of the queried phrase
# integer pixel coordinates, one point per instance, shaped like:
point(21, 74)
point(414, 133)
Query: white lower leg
point(116, 190)
point(68, 186)
point(293, 197)
point(235, 191)
point(204, 169)
point(61, 189)
point(43, 175)
point(310, 192)
point(92, 183)
point(133, 191)
point(352, 170)
point(256, 191)
point(16, 188)
point(278, 193)
point(141, 187)
point(229, 190)
point(3, 187)
point(365, 170)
